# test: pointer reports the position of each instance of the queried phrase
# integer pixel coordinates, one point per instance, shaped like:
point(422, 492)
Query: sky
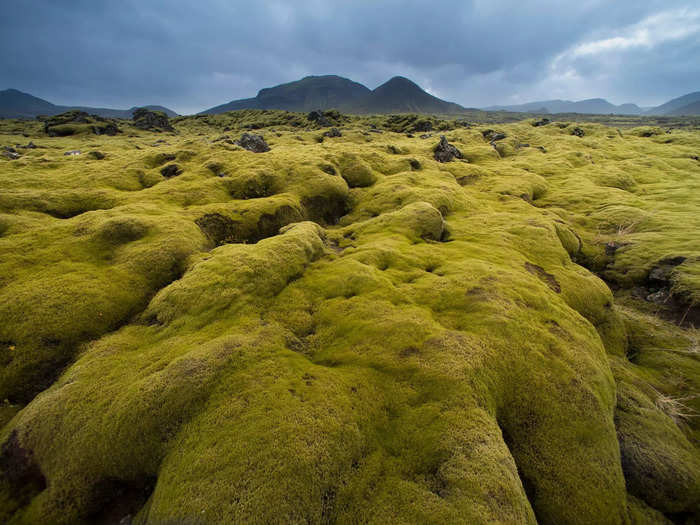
point(195, 54)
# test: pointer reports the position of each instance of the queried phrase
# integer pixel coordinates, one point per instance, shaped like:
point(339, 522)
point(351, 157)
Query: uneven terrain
point(344, 330)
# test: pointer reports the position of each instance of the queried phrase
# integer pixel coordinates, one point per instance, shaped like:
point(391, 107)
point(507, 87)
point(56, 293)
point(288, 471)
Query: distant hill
point(685, 105)
point(16, 104)
point(398, 95)
point(690, 109)
point(595, 106)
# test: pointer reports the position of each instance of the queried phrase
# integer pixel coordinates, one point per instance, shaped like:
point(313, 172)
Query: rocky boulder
point(75, 122)
point(319, 118)
point(492, 136)
point(445, 152)
point(254, 143)
point(542, 122)
point(578, 132)
point(171, 170)
point(333, 132)
point(149, 119)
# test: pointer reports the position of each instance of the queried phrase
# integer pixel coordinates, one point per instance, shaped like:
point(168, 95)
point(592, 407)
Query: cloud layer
point(193, 55)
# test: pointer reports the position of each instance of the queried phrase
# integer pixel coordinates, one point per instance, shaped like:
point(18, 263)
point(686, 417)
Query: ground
point(344, 330)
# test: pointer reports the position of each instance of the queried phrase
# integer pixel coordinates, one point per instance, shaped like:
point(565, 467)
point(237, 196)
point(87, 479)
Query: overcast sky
point(194, 54)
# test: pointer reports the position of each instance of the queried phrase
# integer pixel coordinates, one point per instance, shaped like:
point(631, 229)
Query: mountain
point(596, 106)
point(16, 104)
point(309, 93)
point(691, 109)
point(398, 95)
point(685, 105)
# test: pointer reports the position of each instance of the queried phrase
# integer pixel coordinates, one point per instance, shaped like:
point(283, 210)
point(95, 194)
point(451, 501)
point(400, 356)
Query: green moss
point(428, 349)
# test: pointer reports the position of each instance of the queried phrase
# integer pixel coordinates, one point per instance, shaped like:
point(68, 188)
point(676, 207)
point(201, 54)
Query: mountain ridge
point(397, 95)
point(18, 104)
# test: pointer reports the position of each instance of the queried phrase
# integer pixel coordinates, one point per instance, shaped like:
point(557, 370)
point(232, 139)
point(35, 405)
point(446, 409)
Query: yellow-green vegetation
point(344, 330)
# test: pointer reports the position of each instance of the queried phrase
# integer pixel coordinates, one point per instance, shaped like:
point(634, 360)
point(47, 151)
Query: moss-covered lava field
point(343, 329)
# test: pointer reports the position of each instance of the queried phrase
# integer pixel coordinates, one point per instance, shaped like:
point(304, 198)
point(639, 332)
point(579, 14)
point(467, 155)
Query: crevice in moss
point(116, 501)
point(529, 485)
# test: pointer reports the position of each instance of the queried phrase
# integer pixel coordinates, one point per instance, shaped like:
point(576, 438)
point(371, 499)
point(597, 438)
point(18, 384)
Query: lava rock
point(70, 123)
point(492, 136)
point(171, 170)
point(10, 154)
point(422, 126)
point(445, 152)
point(578, 132)
point(148, 119)
point(333, 132)
point(542, 122)
point(254, 143)
point(97, 155)
point(319, 118)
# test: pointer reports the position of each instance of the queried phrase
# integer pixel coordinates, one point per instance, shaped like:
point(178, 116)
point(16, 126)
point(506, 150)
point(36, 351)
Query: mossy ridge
point(394, 347)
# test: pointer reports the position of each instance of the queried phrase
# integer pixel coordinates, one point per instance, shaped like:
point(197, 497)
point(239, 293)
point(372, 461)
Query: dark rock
point(659, 297)
point(72, 152)
point(10, 155)
point(415, 165)
point(72, 122)
point(578, 132)
point(148, 119)
point(523, 145)
point(493, 136)
point(97, 155)
point(611, 248)
point(409, 135)
point(426, 136)
point(19, 469)
point(333, 132)
point(254, 143)
point(31, 145)
point(542, 122)
point(171, 170)
point(108, 128)
point(319, 118)
point(660, 275)
point(422, 125)
point(542, 149)
point(445, 152)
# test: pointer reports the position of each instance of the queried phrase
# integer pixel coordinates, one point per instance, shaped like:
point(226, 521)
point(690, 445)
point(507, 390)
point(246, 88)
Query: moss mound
point(350, 331)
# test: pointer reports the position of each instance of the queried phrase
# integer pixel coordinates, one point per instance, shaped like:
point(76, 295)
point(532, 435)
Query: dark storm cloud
point(192, 55)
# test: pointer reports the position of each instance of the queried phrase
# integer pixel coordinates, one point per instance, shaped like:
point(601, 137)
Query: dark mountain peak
point(399, 83)
point(314, 82)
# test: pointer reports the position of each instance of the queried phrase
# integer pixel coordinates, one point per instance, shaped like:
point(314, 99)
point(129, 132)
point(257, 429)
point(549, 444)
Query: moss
point(356, 172)
point(428, 349)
